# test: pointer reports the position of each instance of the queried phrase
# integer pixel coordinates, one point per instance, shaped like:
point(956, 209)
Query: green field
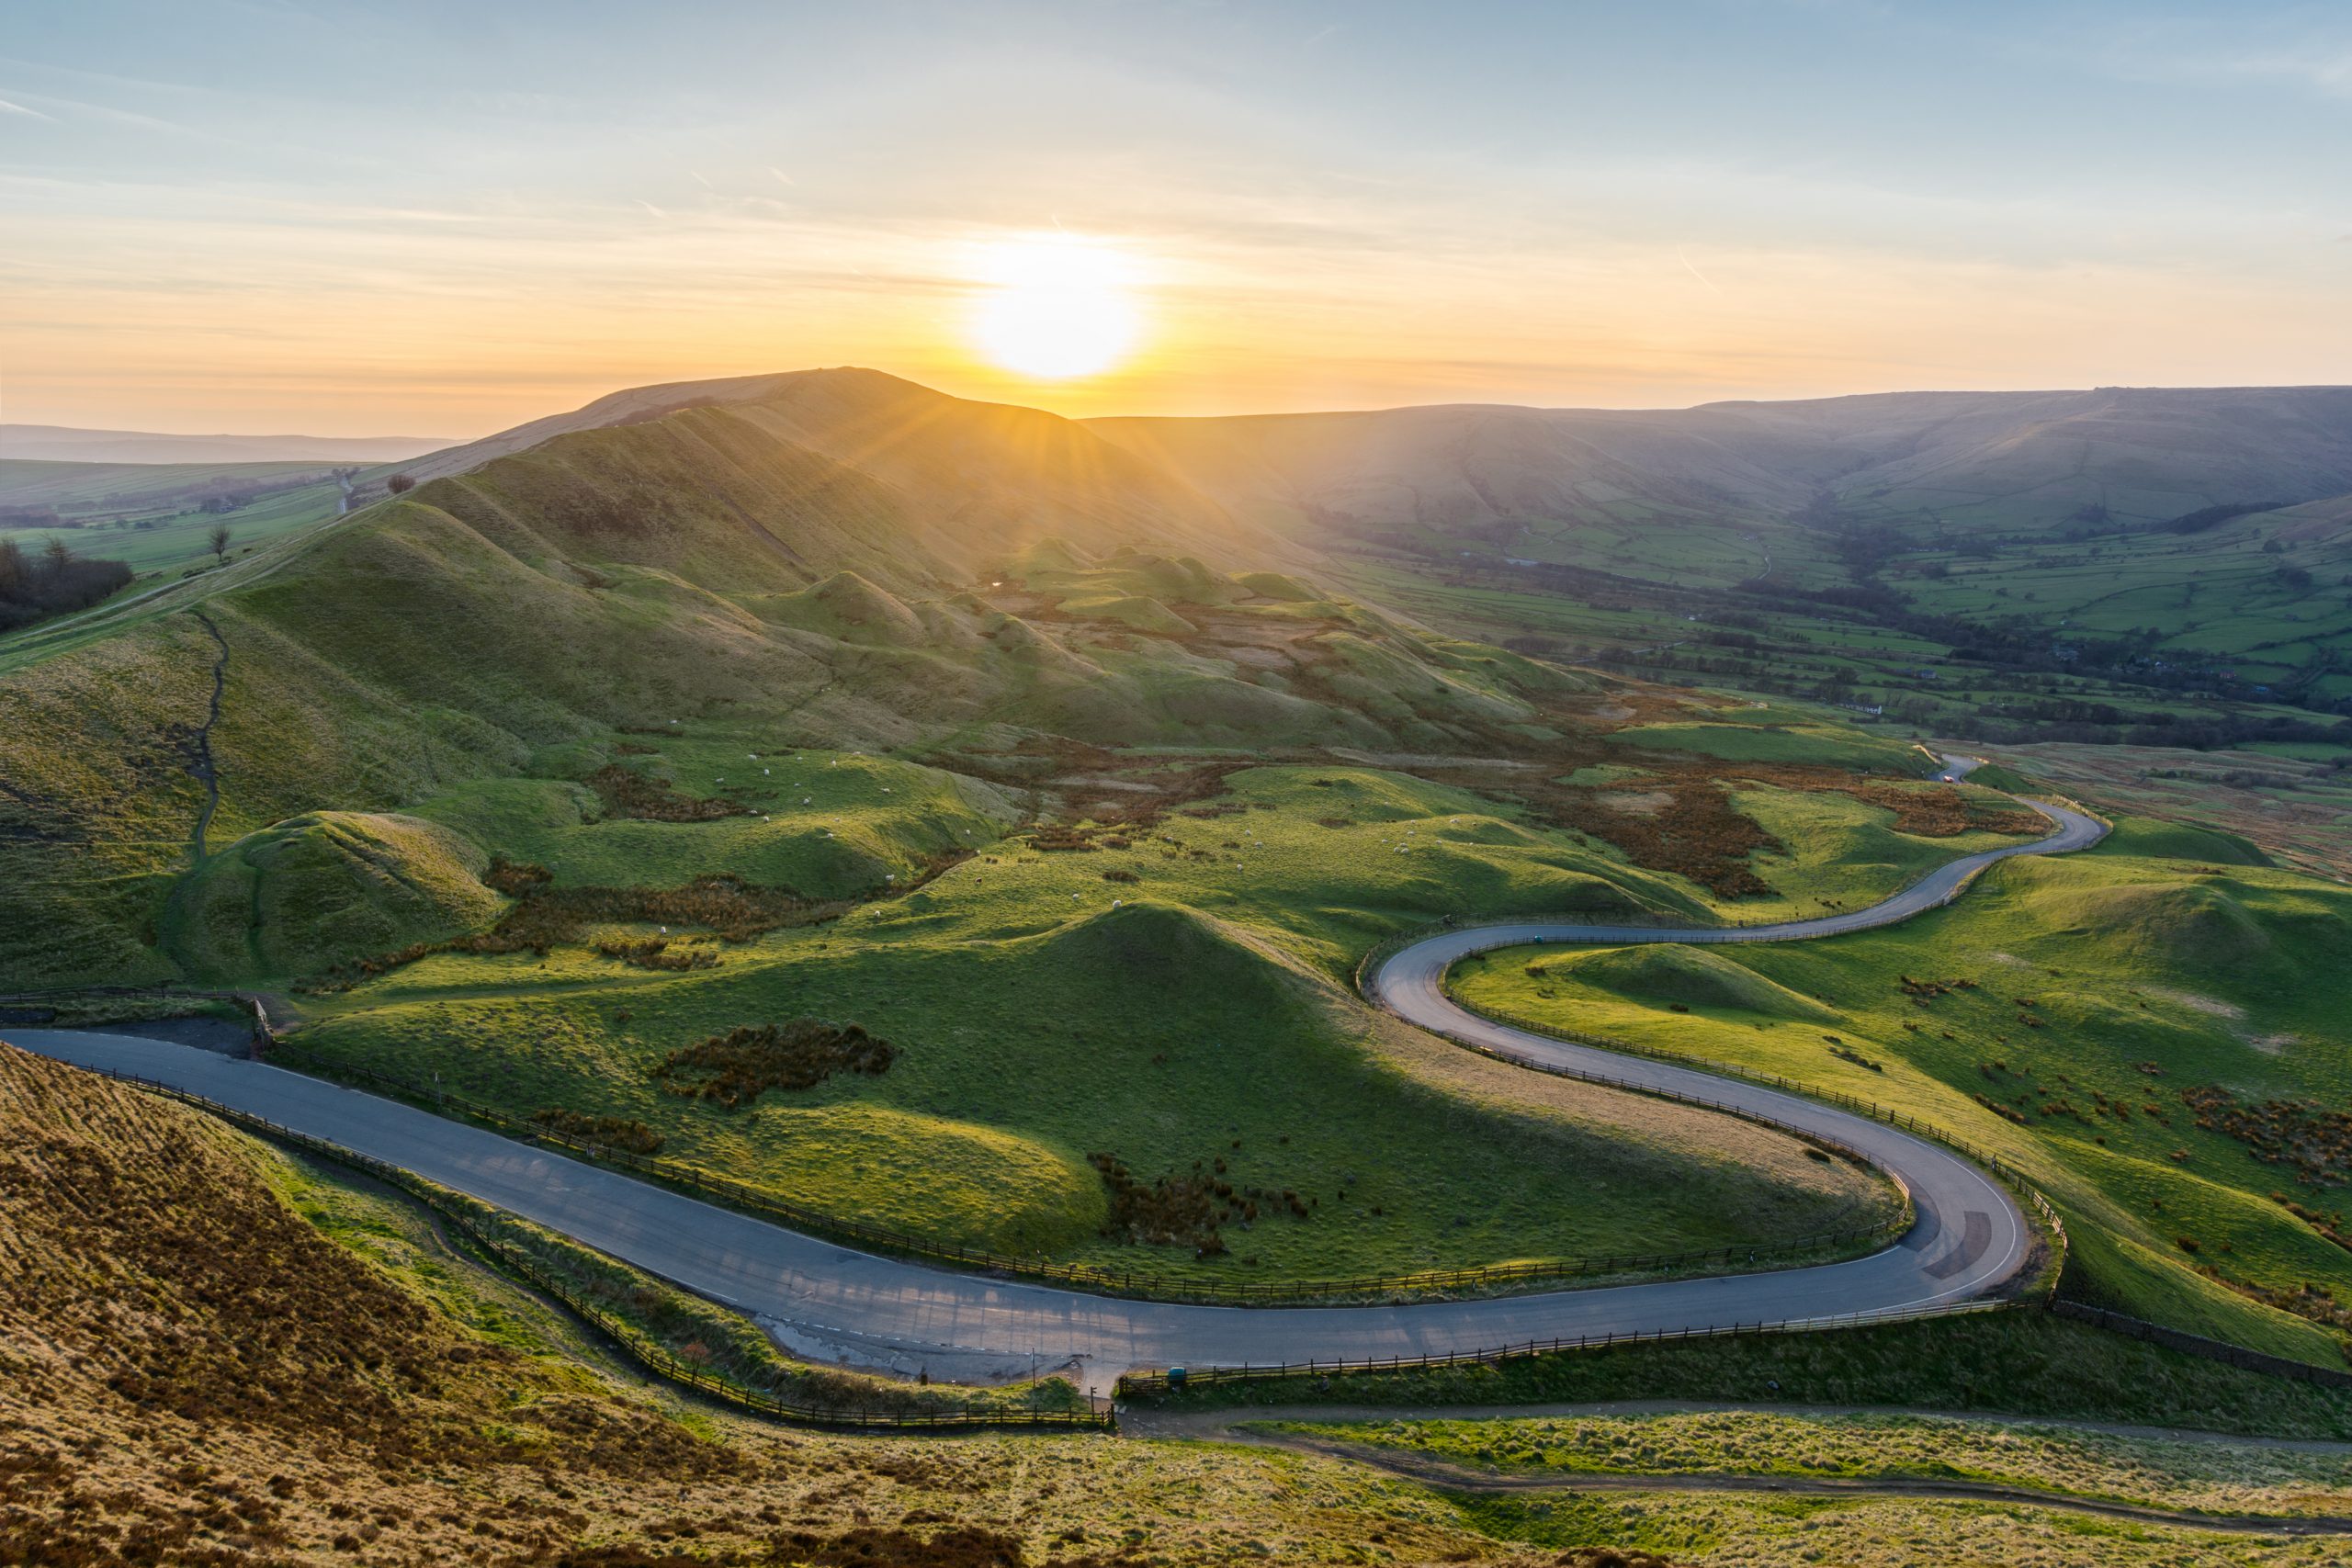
point(2158, 966)
point(129, 512)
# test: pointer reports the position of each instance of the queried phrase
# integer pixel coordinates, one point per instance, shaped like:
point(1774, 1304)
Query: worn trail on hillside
point(829, 1303)
point(1429, 1471)
point(206, 769)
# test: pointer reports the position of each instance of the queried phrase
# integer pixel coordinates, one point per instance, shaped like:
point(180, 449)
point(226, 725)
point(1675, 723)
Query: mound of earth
point(954, 1180)
point(1664, 974)
point(848, 607)
point(2183, 924)
point(2153, 840)
point(1277, 585)
point(1163, 952)
point(314, 890)
point(1134, 611)
point(1182, 581)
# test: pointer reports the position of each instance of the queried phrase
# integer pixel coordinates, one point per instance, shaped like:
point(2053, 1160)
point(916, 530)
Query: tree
point(218, 540)
point(57, 553)
point(399, 484)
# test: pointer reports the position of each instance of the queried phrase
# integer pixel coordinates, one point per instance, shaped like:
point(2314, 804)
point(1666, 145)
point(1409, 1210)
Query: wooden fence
point(1149, 1383)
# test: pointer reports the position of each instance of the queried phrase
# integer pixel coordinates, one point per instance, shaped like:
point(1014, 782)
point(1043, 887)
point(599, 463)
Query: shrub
point(611, 1131)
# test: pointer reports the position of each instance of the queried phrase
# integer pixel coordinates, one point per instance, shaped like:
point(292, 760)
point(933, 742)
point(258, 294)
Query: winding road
point(832, 1303)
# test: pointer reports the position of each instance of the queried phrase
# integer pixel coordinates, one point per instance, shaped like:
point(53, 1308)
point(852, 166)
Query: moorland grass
point(2073, 1462)
point(1816, 744)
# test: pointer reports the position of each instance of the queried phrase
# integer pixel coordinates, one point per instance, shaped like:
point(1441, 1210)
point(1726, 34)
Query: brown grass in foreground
point(192, 1376)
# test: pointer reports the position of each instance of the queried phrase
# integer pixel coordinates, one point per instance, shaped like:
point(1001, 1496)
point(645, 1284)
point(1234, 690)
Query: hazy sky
point(433, 218)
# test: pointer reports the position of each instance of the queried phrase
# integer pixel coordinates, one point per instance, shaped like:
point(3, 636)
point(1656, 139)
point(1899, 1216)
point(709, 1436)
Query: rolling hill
point(2160, 565)
point(1961, 460)
point(846, 700)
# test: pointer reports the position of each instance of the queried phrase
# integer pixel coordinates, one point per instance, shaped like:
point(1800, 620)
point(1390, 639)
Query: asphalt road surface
point(831, 1303)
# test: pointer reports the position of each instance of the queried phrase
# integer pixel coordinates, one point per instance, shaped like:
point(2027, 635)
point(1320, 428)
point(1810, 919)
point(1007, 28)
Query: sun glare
point(1056, 306)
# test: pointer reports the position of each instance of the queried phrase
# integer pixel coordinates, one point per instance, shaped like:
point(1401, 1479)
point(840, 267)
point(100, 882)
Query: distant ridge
point(66, 443)
point(2033, 460)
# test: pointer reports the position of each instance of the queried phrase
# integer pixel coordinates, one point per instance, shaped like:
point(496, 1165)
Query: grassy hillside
point(1975, 461)
point(2286, 804)
point(2158, 565)
point(1180, 996)
point(2153, 1030)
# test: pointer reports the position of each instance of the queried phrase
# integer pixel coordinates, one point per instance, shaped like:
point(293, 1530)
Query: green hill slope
point(2158, 1042)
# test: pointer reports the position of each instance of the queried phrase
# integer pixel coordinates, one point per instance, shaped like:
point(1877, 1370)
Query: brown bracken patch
point(733, 1068)
point(1186, 1209)
point(612, 1132)
point(628, 793)
point(2315, 1142)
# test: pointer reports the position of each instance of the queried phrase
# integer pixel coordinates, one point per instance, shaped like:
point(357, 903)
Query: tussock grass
point(2211, 1476)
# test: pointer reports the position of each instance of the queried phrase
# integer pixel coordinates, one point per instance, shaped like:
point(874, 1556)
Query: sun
point(1056, 306)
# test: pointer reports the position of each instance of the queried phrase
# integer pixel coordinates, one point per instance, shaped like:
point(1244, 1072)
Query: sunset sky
point(442, 219)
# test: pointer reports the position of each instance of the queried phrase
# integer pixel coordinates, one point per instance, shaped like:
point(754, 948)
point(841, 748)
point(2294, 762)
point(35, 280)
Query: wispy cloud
point(7, 107)
point(1684, 257)
point(2330, 73)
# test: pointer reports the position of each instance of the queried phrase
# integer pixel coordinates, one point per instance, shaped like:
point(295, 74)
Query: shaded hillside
point(1477, 470)
point(1956, 560)
point(1968, 459)
point(194, 1374)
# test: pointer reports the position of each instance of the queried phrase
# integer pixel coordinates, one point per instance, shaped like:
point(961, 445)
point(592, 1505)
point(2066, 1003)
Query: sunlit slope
point(975, 477)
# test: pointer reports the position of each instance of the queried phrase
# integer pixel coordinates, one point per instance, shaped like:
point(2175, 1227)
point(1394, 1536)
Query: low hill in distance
point(1963, 460)
point(66, 443)
point(2160, 565)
